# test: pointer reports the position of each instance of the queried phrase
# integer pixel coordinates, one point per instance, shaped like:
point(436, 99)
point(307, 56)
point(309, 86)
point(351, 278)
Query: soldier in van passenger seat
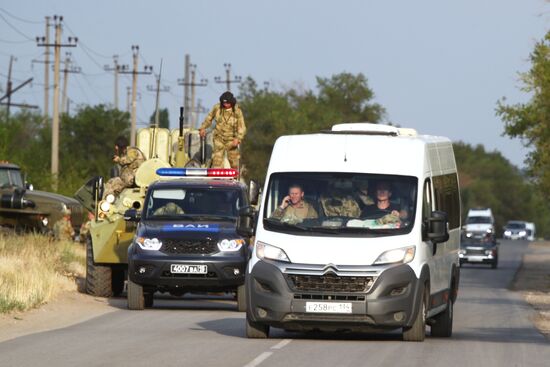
point(293, 208)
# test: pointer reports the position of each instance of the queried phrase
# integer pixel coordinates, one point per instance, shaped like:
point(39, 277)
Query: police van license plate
point(328, 307)
point(188, 269)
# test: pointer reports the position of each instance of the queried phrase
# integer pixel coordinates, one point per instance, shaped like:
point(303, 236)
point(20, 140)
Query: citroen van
point(378, 248)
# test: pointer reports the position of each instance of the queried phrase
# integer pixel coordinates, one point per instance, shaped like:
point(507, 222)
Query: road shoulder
point(533, 281)
point(68, 308)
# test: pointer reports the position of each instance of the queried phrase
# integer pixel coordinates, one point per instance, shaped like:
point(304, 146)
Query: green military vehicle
point(110, 233)
point(25, 209)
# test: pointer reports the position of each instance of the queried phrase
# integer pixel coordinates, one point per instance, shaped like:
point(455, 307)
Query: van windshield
point(478, 220)
point(335, 203)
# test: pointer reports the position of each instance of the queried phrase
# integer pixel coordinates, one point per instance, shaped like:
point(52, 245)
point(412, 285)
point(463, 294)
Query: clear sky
point(437, 66)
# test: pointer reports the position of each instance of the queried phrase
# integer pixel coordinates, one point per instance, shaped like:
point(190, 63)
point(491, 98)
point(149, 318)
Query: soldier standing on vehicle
point(229, 131)
point(63, 228)
point(129, 159)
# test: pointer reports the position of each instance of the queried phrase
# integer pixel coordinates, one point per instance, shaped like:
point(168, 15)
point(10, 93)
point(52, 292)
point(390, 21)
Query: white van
point(340, 259)
point(480, 224)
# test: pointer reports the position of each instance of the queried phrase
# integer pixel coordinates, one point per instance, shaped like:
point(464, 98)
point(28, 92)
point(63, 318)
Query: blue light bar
point(198, 172)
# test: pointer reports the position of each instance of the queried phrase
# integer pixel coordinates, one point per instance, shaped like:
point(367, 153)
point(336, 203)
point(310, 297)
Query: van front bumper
point(295, 302)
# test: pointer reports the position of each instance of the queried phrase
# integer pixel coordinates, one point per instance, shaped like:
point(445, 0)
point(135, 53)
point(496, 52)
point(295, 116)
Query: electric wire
point(21, 19)
point(15, 29)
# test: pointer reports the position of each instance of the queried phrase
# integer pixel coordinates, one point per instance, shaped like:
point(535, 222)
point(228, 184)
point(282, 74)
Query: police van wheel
point(256, 331)
point(417, 332)
point(98, 277)
point(443, 323)
point(241, 298)
point(136, 297)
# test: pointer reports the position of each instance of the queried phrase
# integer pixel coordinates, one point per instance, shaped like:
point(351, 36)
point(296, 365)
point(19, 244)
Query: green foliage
point(531, 121)
point(487, 179)
point(268, 114)
point(85, 150)
point(164, 119)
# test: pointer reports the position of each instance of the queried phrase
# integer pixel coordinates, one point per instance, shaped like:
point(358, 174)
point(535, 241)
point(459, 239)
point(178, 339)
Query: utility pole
point(55, 121)
point(10, 90)
point(128, 98)
point(200, 109)
point(46, 40)
point(68, 69)
point(147, 70)
point(228, 81)
point(116, 69)
point(192, 68)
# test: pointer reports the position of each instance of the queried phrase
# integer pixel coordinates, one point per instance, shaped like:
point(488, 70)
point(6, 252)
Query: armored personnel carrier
point(25, 209)
point(111, 233)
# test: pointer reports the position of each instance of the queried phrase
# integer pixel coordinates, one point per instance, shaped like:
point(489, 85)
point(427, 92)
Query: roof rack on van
point(365, 128)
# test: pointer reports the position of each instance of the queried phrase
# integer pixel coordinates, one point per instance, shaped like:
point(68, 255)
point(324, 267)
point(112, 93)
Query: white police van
point(388, 260)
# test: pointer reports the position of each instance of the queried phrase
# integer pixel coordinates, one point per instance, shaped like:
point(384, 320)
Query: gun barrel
point(181, 121)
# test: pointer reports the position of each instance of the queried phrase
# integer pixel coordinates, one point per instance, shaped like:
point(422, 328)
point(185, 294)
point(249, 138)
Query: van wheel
point(98, 277)
point(442, 326)
point(136, 297)
point(417, 332)
point(256, 330)
point(241, 298)
point(494, 265)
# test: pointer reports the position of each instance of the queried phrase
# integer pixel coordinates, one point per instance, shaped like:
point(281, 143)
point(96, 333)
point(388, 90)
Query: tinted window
point(478, 220)
point(447, 197)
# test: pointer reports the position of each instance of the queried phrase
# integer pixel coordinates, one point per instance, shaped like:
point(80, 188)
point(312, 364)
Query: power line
point(15, 28)
point(21, 19)
point(13, 42)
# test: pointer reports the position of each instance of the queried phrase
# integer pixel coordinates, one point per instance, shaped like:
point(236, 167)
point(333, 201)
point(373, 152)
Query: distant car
point(479, 252)
point(515, 230)
point(479, 224)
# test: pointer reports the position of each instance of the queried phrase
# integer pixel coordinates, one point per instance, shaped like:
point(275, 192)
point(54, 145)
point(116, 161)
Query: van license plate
point(328, 307)
point(188, 269)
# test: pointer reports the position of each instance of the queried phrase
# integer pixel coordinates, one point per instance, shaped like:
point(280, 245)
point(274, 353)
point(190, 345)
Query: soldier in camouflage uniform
point(228, 132)
point(338, 202)
point(293, 208)
point(169, 209)
point(129, 159)
point(63, 229)
point(85, 228)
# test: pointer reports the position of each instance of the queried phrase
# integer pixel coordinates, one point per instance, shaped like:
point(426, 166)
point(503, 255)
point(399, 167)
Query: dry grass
point(34, 268)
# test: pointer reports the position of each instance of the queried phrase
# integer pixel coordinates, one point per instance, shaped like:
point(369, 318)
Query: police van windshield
point(340, 203)
point(478, 220)
point(192, 203)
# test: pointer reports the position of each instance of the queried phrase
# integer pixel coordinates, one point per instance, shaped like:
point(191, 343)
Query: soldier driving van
point(393, 264)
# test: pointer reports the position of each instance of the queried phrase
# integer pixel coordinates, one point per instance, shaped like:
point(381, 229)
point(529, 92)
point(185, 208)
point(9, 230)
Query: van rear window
point(335, 203)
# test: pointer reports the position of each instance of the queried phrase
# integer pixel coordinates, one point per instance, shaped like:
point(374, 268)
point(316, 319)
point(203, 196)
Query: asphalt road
point(491, 328)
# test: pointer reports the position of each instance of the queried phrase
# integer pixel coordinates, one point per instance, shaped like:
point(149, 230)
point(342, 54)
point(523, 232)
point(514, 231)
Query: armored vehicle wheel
point(241, 298)
point(443, 323)
point(136, 297)
point(417, 332)
point(256, 331)
point(98, 277)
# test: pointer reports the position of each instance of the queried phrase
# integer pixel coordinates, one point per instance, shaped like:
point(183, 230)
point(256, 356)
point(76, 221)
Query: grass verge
point(34, 269)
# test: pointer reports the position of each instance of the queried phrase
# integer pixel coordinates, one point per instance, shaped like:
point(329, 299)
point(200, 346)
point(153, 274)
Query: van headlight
point(230, 245)
point(489, 230)
point(399, 255)
point(152, 244)
point(265, 251)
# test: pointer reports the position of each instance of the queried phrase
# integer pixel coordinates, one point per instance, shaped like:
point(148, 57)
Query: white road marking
point(259, 359)
point(281, 344)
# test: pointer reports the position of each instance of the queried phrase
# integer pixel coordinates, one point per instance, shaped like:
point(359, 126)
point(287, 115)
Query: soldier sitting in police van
point(169, 208)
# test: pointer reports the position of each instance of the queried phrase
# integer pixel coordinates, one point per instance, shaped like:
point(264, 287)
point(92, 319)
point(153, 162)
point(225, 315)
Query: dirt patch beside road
point(533, 280)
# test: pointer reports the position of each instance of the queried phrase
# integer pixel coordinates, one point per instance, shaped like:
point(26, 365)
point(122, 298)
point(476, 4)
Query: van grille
point(329, 283)
point(178, 246)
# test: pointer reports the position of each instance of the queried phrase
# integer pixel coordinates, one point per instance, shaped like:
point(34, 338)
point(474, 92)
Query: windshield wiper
point(286, 225)
point(214, 217)
point(171, 216)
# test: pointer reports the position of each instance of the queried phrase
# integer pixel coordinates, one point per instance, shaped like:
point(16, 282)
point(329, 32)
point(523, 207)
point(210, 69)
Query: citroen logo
point(330, 268)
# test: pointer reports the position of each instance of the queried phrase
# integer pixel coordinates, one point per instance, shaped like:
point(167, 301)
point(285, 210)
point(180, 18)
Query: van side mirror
point(253, 192)
point(437, 227)
point(246, 221)
point(131, 215)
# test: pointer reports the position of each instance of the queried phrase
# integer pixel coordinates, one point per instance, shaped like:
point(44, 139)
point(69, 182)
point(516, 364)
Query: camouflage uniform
point(63, 229)
point(229, 125)
point(129, 164)
point(295, 213)
point(84, 231)
point(169, 209)
point(340, 205)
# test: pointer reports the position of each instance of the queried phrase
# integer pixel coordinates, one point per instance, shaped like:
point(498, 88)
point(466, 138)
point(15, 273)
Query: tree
point(164, 119)
point(531, 121)
point(269, 114)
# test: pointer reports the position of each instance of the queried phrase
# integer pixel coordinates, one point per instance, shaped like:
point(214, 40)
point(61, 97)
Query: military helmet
point(228, 97)
point(65, 210)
